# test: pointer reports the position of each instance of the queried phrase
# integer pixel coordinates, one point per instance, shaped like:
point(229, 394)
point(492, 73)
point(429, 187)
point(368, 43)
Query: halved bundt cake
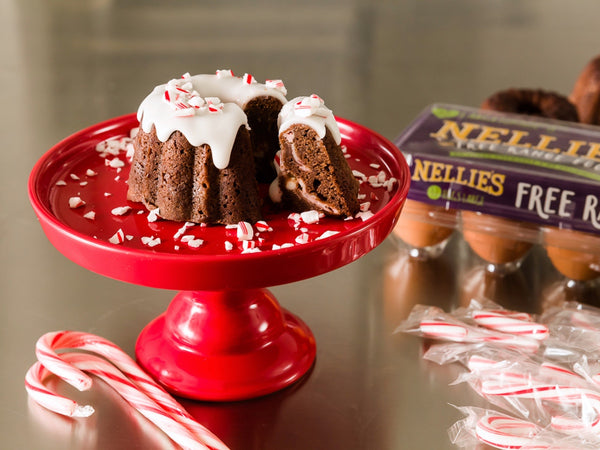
point(312, 170)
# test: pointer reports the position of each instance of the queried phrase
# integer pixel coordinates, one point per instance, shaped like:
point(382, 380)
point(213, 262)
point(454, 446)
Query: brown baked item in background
point(586, 93)
point(533, 102)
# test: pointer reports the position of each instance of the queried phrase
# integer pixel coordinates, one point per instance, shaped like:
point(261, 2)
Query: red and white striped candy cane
point(129, 391)
point(459, 332)
point(555, 393)
point(48, 399)
point(46, 352)
point(509, 433)
point(554, 369)
point(506, 322)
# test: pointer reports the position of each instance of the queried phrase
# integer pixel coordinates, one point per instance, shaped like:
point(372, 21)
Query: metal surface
point(69, 64)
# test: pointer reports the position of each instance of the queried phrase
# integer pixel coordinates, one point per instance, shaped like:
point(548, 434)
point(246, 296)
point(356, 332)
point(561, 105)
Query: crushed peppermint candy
point(186, 102)
point(222, 73)
point(120, 210)
point(115, 163)
point(114, 146)
point(248, 245)
point(153, 215)
point(261, 225)
point(74, 177)
point(91, 173)
point(244, 231)
point(365, 206)
point(359, 175)
point(302, 238)
point(83, 183)
point(61, 183)
point(150, 241)
point(251, 250)
point(183, 229)
point(311, 106)
point(381, 180)
point(327, 234)
point(75, 202)
point(91, 215)
point(195, 243)
point(310, 217)
point(364, 215)
point(276, 84)
point(248, 79)
point(117, 238)
point(228, 246)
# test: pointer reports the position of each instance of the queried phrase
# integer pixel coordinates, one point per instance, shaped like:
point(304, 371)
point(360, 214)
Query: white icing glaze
point(310, 111)
point(224, 94)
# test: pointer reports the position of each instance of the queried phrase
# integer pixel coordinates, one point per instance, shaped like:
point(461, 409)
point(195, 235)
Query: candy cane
point(128, 390)
point(48, 399)
point(46, 352)
point(459, 332)
point(508, 433)
point(508, 323)
point(550, 368)
point(562, 395)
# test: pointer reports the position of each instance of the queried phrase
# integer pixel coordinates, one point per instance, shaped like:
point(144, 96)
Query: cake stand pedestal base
point(226, 345)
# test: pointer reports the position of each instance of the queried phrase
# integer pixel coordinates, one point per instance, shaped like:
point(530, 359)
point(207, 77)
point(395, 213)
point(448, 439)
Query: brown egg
point(495, 239)
point(575, 254)
point(422, 225)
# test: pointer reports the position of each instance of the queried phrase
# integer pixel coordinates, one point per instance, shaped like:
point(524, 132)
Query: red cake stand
point(224, 336)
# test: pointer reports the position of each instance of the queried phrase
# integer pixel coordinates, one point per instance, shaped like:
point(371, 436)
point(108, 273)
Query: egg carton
point(507, 182)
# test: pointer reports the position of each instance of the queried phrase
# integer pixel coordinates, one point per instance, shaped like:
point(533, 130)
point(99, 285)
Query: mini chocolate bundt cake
point(532, 102)
point(206, 142)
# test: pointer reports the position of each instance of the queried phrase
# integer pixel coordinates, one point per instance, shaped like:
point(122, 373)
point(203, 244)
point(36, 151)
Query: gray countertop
point(67, 65)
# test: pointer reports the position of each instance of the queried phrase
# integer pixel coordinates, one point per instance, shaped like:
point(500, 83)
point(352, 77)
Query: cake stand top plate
point(75, 168)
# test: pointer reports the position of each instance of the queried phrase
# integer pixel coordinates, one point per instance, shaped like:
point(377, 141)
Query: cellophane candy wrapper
point(542, 392)
point(552, 388)
point(503, 431)
point(575, 326)
point(433, 323)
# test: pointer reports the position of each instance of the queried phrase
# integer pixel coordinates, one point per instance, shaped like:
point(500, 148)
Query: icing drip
point(310, 111)
point(206, 109)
